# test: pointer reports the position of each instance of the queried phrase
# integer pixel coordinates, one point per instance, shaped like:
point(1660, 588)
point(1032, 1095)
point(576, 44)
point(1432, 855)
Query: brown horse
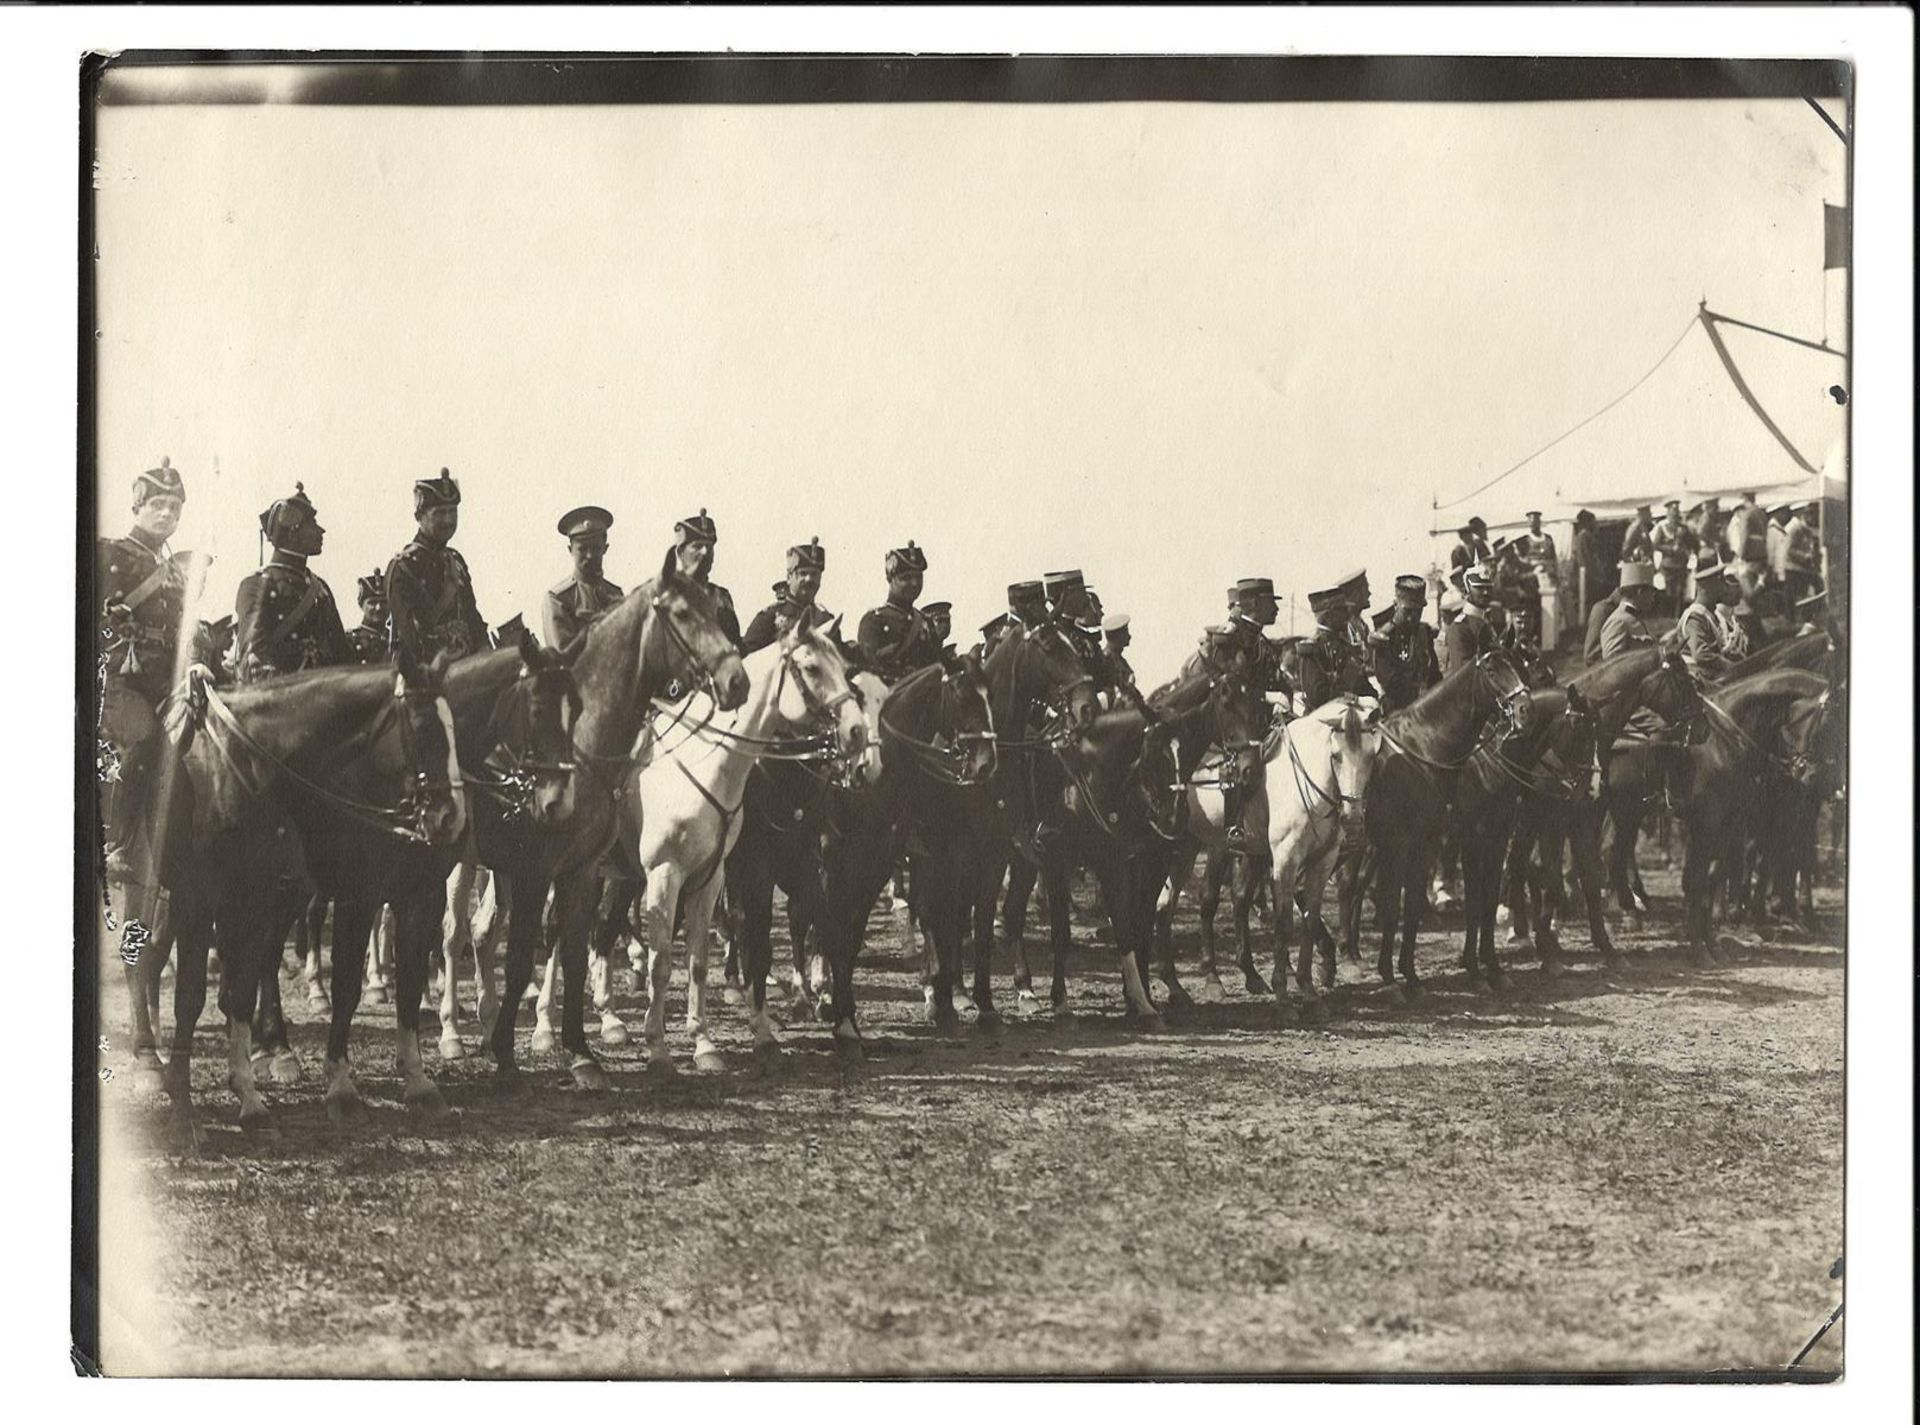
point(1428, 744)
point(372, 746)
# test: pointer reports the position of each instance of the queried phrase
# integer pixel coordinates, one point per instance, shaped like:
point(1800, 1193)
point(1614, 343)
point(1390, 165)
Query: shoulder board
point(614, 589)
point(564, 585)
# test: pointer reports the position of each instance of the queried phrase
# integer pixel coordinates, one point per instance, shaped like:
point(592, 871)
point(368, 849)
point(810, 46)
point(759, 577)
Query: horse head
point(694, 650)
point(552, 707)
point(429, 765)
point(1050, 671)
point(1673, 693)
point(966, 717)
point(1507, 687)
point(871, 691)
point(1352, 749)
point(816, 690)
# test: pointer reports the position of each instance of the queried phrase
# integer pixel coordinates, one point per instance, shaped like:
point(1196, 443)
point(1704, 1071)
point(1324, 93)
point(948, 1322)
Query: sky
point(1171, 345)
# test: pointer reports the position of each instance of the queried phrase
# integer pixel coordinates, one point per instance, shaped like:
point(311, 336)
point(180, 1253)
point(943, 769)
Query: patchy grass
point(1588, 1174)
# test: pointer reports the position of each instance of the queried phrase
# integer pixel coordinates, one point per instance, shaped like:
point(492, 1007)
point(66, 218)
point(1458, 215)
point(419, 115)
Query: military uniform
point(1405, 661)
point(768, 623)
point(1331, 667)
point(1625, 630)
point(430, 592)
point(142, 592)
point(575, 603)
point(1636, 546)
point(1674, 544)
point(700, 529)
point(1469, 637)
point(1702, 640)
point(286, 621)
point(1026, 607)
point(896, 638)
point(369, 638)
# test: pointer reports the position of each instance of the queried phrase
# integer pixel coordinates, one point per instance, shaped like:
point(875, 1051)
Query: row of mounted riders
point(554, 767)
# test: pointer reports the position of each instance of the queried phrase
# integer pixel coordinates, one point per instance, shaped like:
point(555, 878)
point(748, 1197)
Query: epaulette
point(564, 585)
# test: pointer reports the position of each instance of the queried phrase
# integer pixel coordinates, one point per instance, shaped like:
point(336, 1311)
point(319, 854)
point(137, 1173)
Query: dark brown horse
point(372, 747)
point(662, 635)
point(1428, 745)
point(1569, 809)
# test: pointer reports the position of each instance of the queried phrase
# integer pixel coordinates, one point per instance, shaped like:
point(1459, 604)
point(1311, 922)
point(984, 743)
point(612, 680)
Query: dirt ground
point(1637, 1172)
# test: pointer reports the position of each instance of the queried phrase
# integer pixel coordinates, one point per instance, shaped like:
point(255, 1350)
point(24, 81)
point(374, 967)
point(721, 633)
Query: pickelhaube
point(587, 519)
point(163, 479)
point(283, 517)
point(696, 529)
point(908, 556)
point(804, 557)
point(372, 586)
point(433, 494)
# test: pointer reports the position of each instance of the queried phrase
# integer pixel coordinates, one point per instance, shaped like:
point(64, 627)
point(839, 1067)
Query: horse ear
point(437, 670)
point(529, 647)
point(565, 656)
point(833, 631)
point(407, 662)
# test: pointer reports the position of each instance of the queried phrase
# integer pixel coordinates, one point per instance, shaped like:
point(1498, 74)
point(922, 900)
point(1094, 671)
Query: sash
point(149, 586)
point(291, 622)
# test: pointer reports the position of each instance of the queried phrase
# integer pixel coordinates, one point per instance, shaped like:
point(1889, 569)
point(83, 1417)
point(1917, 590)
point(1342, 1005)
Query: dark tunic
point(285, 620)
point(1468, 637)
point(430, 594)
point(139, 646)
point(766, 624)
point(724, 612)
point(369, 641)
point(1330, 667)
point(897, 640)
point(1405, 663)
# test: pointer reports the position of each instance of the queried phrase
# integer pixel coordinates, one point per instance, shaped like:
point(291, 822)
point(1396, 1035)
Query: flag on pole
point(1838, 235)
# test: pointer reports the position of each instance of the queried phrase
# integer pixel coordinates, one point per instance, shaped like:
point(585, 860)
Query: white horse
point(472, 923)
point(1316, 779)
point(679, 815)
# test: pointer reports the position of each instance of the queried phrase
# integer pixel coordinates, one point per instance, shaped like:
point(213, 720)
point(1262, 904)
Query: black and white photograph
point(949, 716)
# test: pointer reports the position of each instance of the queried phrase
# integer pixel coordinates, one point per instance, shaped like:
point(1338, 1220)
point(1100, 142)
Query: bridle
point(1338, 802)
point(1058, 704)
point(1512, 704)
point(945, 761)
point(519, 771)
point(407, 817)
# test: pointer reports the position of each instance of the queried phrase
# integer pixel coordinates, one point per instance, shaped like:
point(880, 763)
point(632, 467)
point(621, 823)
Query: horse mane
point(1610, 675)
point(345, 679)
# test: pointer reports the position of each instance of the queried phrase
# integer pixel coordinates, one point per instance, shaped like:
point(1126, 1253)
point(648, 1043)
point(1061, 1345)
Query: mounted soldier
point(576, 603)
point(1702, 637)
point(1242, 638)
point(1118, 629)
point(1626, 626)
point(143, 590)
point(370, 637)
point(1026, 608)
point(895, 637)
point(1405, 662)
point(694, 539)
point(1330, 665)
point(1471, 635)
point(429, 591)
point(284, 613)
point(940, 629)
point(806, 563)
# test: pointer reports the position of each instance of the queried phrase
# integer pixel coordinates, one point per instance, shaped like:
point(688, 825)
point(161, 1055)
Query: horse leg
point(352, 928)
point(273, 1055)
point(696, 909)
point(662, 900)
point(313, 920)
point(574, 903)
point(1247, 880)
point(243, 931)
point(1286, 872)
point(1413, 905)
point(416, 930)
point(1218, 869)
point(609, 914)
point(1584, 836)
point(486, 941)
point(528, 894)
point(1163, 908)
point(1020, 877)
point(1114, 894)
point(379, 987)
point(456, 934)
point(193, 938)
point(1057, 876)
point(544, 1037)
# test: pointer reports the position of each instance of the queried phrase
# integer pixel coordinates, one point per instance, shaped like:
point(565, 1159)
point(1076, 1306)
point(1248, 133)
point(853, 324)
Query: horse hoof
point(542, 1040)
point(509, 1082)
point(1175, 995)
point(1412, 990)
point(374, 994)
point(284, 1068)
point(589, 1076)
point(1150, 1023)
point(709, 1061)
point(451, 1047)
point(1027, 1004)
point(731, 995)
point(1551, 968)
point(183, 1132)
point(1211, 984)
point(1258, 987)
point(661, 1066)
point(613, 1033)
point(427, 1103)
point(963, 1002)
point(1516, 941)
point(945, 1020)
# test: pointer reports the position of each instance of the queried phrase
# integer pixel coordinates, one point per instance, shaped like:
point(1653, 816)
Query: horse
point(1427, 745)
point(1570, 807)
point(1315, 784)
point(679, 813)
point(374, 746)
point(1138, 820)
point(790, 806)
point(662, 636)
point(1040, 692)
